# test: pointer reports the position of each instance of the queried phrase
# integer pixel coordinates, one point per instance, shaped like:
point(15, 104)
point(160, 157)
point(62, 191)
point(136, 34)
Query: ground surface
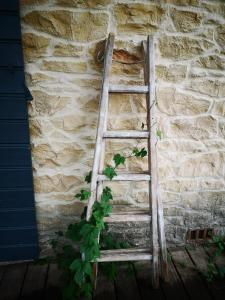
point(28, 281)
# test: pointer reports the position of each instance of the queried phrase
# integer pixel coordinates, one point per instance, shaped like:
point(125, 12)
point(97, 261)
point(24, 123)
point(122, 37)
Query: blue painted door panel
point(15, 156)
point(14, 131)
point(18, 252)
point(12, 81)
point(17, 236)
point(9, 27)
point(14, 108)
point(18, 228)
point(13, 178)
point(19, 219)
point(11, 55)
point(15, 198)
point(10, 5)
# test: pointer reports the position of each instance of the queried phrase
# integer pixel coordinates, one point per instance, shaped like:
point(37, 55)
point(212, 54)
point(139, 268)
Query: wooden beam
point(101, 121)
point(128, 89)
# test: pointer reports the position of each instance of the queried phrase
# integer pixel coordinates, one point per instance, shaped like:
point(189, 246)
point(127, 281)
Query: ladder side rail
point(101, 121)
point(153, 184)
point(162, 238)
point(162, 241)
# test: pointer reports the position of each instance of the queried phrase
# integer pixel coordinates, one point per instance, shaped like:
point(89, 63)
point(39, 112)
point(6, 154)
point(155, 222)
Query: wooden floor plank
point(143, 271)
point(53, 283)
point(200, 258)
point(174, 289)
point(192, 281)
point(34, 282)
point(12, 281)
point(105, 289)
point(126, 284)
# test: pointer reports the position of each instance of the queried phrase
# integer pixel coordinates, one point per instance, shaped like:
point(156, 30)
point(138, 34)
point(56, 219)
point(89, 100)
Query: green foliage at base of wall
point(82, 240)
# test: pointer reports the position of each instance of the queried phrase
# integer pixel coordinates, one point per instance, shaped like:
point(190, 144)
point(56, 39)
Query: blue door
point(18, 229)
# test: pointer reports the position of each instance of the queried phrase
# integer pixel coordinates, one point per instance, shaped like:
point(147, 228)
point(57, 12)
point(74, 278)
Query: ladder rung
point(128, 217)
point(128, 89)
point(129, 134)
point(124, 255)
point(125, 177)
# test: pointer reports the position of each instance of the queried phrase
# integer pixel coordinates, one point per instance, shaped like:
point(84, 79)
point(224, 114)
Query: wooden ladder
point(155, 218)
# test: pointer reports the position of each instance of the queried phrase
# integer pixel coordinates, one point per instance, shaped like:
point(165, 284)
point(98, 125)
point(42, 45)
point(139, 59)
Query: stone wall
point(60, 38)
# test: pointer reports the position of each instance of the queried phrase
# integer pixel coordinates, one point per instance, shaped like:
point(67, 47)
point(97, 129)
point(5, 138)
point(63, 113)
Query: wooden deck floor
point(28, 281)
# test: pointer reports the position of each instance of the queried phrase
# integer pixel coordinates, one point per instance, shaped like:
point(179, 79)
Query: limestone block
point(180, 146)
point(64, 66)
point(62, 154)
point(71, 208)
point(137, 18)
point(142, 197)
point(173, 103)
point(202, 165)
point(76, 26)
point(132, 122)
point(215, 7)
point(211, 87)
point(196, 128)
point(55, 183)
point(222, 128)
point(130, 70)
point(181, 48)
point(125, 103)
point(136, 164)
point(183, 185)
point(45, 104)
point(31, 2)
point(182, 2)
point(85, 4)
point(92, 105)
point(173, 73)
point(119, 103)
point(210, 62)
point(90, 83)
point(33, 79)
point(68, 50)
point(219, 108)
point(74, 122)
point(220, 36)
point(185, 21)
point(34, 46)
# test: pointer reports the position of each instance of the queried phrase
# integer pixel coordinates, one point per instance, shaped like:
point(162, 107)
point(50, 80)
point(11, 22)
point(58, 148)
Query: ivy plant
point(213, 271)
point(81, 247)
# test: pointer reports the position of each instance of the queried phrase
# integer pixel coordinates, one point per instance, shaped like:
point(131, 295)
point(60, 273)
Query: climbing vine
point(213, 271)
point(80, 251)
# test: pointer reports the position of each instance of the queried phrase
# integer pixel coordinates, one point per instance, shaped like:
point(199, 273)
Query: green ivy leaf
point(87, 268)
point(118, 159)
point(69, 291)
point(159, 134)
point(88, 177)
point(59, 233)
point(76, 264)
point(140, 153)
point(109, 172)
point(83, 195)
point(54, 244)
point(87, 290)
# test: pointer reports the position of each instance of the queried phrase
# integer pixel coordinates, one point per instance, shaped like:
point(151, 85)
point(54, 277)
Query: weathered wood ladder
point(155, 218)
